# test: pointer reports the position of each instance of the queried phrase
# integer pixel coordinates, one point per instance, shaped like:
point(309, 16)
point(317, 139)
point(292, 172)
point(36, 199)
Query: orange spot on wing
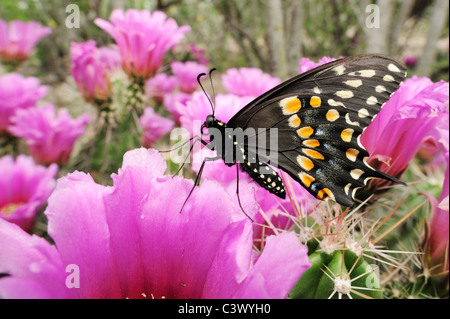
point(315, 101)
point(324, 193)
point(293, 105)
point(294, 121)
point(311, 143)
point(347, 134)
point(305, 132)
point(313, 154)
point(352, 154)
point(332, 115)
point(305, 163)
point(306, 179)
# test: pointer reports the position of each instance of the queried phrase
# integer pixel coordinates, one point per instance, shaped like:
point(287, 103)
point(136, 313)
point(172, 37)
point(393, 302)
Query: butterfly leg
point(197, 179)
point(196, 139)
point(196, 183)
point(237, 193)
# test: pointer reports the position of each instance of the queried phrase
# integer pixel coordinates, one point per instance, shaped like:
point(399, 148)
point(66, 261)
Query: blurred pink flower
point(17, 92)
point(130, 240)
point(410, 61)
point(18, 39)
point(248, 81)
point(307, 64)
point(416, 113)
point(92, 68)
point(160, 85)
point(143, 39)
point(437, 243)
point(186, 73)
point(199, 53)
point(154, 126)
point(24, 188)
point(50, 136)
point(195, 111)
point(175, 104)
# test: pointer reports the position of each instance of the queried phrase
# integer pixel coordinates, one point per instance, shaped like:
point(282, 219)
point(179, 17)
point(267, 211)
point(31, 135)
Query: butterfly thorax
point(220, 139)
point(234, 148)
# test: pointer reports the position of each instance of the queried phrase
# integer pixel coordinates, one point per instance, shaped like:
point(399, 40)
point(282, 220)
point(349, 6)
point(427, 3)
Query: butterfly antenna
point(179, 146)
point(203, 89)
point(212, 86)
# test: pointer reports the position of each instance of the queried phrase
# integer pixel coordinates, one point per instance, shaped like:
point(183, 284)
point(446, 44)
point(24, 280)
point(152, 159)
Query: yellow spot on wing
point(306, 179)
point(321, 194)
point(332, 115)
point(352, 154)
point(305, 163)
point(290, 105)
point(294, 121)
point(293, 105)
point(311, 143)
point(305, 132)
point(313, 154)
point(315, 101)
point(346, 134)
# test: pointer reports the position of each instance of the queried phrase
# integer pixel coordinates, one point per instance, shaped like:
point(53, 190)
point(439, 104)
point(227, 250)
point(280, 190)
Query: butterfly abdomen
point(264, 175)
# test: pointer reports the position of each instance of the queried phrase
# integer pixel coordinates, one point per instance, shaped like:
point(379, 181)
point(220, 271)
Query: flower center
point(144, 295)
point(9, 208)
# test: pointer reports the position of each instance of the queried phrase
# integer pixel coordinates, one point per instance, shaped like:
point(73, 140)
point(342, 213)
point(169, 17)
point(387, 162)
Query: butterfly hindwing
point(320, 117)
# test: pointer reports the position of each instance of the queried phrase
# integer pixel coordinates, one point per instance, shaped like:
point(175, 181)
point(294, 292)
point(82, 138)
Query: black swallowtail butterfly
point(319, 116)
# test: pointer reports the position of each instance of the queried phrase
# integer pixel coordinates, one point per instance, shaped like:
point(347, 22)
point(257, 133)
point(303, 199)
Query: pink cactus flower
point(50, 136)
point(175, 104)
point(155, 126)
point(199, 53)
point(130, 240)
point(248, 81)
point(307, 64)
point(186, 73)
point(24, 188)
point(195, 111)
point(92, 68)
point(143, 39)
point(416, 113)
point(16, 93)
point(437, 242)
point(160, 85)
point(410, 61)
point(18, 39)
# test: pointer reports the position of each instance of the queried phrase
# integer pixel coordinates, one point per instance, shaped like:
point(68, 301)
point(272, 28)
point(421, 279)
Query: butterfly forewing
point(320, 116)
